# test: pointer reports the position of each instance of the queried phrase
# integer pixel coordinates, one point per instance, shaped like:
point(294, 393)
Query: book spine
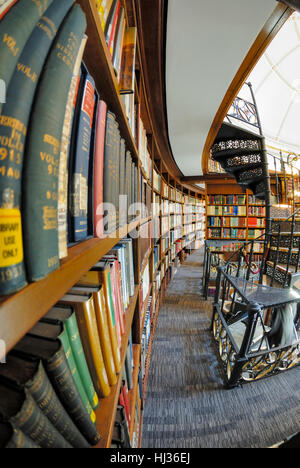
point(119, 45)
point(116, 170)
point(62, 380)
point(4, 9)
point(103, 331)
point(36, 425)
point(15, 30)
point(122, 192)
point(81, 364)
point(41, 165)
point(111, 318)
point(98, 169)
point(111, 42)
point(110, 18)
point(64, 338)
point(87, 325)
point(63, 162)
point(11, 438)
point(13, 130)
point(128, 61)
point(109, 220)
point(80, 175)
point(43, 393)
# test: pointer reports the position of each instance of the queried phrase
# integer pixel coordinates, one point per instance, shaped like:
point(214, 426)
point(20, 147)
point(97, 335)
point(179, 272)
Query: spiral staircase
point(256, 320)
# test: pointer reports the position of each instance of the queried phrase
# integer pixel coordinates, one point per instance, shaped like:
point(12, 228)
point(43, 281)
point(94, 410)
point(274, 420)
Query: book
point(109, 176)
point(119, 252)
point(29, 374)
point(120, 437)
point(18, 408)
point(5, 6)
point(122, 185)
point(56, 331)
point(129, 264)
point(66, 316)
point(87, 325)
point(97, 276)
point(128, 61)
point(15, 30)
point(12, 438)
point(99, 303)
point(110, 20)
point(98, 169)
point(53, 357)
point(79, 166)
point(117, 52)
point(20, 96)
point(112, 35)
point(41, 162)
point(62, 209)
point(116, 294)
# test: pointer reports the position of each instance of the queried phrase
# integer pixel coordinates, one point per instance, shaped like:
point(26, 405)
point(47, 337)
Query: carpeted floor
point(187, 405)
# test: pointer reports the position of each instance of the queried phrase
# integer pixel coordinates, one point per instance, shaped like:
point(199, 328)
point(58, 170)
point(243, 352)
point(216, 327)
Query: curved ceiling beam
point(265, 37)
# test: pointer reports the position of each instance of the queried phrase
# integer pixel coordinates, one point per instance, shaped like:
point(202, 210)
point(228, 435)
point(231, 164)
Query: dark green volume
point(13, 129)
point(52, 354)
point(19, 409)
point(11, 438)
point(42, 152)
point(29, 373)
point(15, 30)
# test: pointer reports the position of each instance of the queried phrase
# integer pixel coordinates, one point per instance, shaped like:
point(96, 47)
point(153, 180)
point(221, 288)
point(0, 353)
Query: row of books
point(121, 42)
point(55, 377)
point(226, 199)
point(256, 211)
point(226, 210)
point(224, 233)
point(215, 221)
point(69, 175)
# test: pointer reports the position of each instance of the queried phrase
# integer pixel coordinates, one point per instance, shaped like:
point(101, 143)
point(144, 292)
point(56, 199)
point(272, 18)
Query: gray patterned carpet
point(186, 404)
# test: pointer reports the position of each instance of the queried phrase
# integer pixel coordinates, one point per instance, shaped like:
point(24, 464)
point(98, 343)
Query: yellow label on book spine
point(11, 243)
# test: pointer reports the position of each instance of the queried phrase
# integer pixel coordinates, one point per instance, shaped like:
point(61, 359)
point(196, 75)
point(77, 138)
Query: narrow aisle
point(186, 403)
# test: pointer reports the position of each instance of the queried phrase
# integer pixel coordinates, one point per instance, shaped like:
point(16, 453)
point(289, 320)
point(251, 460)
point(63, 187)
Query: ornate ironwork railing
point(256, 328)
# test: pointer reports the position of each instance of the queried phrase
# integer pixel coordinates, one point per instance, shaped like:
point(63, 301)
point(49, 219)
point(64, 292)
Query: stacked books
point(54, 378)
point(66, 174)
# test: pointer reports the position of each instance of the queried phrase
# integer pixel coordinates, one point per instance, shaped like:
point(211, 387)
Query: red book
point(6, 7)
point(98, 169)
point(125, 402)
point(113, 30)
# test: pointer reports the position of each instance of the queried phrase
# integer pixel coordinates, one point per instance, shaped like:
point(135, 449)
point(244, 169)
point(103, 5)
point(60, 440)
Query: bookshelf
point(156, 257)
point(233, 215)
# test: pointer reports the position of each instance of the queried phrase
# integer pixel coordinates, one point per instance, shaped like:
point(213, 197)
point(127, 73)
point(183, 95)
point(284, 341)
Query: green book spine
point(70, 326)
point(21, 411)
point(15, 29)
point(13, 130)
point(11, 438)
point(61, 378)
point(42, 153)
point(76, 345)
point(64, 337)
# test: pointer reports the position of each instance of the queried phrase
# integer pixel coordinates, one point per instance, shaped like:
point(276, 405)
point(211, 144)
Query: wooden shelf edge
point(21, 311)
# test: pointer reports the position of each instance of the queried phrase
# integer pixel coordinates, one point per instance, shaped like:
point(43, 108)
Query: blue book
point(80, 161)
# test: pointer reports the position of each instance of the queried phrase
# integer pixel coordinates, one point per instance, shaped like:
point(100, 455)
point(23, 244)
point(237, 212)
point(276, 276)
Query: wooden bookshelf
point(21, 311)
point(233, 211)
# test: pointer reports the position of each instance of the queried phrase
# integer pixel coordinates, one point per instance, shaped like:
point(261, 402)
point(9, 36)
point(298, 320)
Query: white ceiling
point(206, 43)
